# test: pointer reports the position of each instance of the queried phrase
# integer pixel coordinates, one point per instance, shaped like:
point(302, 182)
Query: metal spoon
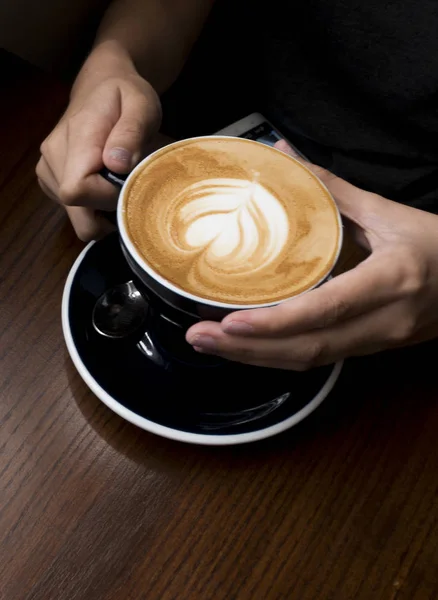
point(120, 311)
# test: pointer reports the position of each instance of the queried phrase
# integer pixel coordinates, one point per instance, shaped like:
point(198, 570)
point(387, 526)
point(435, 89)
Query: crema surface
point(232, 220)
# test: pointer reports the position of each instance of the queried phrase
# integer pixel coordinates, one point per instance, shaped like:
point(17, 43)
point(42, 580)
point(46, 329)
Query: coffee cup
point(215, 224)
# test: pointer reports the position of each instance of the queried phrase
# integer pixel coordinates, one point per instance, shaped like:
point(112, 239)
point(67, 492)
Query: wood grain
point(342, 507)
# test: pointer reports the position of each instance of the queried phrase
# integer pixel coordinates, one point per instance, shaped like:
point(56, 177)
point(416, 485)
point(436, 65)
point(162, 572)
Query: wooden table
point(344, 506)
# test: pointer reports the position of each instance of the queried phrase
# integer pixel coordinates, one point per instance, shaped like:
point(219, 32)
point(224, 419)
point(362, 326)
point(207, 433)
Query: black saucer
point(215, 403)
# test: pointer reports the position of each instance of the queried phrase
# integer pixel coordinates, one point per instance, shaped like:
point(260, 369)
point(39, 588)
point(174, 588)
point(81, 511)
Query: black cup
point(187, 305)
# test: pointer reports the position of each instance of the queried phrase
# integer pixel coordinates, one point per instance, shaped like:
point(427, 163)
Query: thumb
point(353, 203)
point(138, 122)
point(285, 147)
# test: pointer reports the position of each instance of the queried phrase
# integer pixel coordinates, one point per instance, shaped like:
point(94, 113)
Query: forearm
point(152, 37)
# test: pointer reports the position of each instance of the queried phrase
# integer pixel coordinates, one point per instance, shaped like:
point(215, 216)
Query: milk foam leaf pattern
point(229, 224)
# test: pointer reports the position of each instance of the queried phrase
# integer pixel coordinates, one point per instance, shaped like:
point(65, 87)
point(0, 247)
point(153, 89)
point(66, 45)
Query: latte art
point(229, 224)
point(231, 220)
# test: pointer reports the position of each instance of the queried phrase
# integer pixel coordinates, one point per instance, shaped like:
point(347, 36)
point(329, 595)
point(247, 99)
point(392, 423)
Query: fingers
point(110, 127)
point(374, 283)
point(354, 203)
point(116, 118)
point(366, 310)
point(69, 164)
point(46, 179)
point(366, 334)
point(88, 224)
point(80, 183)
point(287, 149)
point(138, 123)
point(297, 353)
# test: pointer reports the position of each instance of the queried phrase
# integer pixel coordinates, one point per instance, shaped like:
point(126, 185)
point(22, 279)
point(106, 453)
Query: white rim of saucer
point(162, 430)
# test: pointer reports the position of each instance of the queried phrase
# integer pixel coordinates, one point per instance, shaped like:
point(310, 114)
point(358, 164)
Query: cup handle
point(117, 180)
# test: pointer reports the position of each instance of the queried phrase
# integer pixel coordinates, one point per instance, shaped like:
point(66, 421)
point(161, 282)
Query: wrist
point(107, 59)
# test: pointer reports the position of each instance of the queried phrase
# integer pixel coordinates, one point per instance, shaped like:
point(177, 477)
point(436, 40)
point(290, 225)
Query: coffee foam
point(231, 220)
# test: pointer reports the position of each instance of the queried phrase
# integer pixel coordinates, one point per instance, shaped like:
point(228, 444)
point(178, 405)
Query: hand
point(389, 300)
point(109, 124)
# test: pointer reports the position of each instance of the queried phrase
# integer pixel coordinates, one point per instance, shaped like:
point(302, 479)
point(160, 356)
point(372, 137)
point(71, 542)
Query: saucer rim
point(162, 430)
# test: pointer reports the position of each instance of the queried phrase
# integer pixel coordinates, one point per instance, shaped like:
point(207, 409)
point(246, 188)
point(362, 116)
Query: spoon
point(120, 311)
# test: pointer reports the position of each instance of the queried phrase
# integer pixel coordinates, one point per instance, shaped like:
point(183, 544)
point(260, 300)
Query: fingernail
point(238, 328)
point(203, 342)
point(121, 155)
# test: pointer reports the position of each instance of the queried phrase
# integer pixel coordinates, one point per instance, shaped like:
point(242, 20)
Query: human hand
point(108, 124)
point(388, 300)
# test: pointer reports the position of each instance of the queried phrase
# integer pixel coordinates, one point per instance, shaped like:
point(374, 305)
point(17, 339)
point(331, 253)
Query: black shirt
point(354, 84)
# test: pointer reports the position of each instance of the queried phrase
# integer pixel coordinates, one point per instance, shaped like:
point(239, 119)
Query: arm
point(155, 36)
point(114, 110)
